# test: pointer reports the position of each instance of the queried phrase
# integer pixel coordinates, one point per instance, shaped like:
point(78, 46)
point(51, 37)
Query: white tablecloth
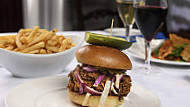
point(172, 86)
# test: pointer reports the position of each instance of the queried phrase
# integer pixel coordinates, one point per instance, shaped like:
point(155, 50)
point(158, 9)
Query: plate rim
point(129, 52)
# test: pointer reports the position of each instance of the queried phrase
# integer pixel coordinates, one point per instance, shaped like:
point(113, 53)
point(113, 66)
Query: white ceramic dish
point(34, 65)
point(51, 92)
point(137, 53)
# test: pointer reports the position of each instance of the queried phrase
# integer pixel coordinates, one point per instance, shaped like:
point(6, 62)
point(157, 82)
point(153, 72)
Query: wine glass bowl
point(126, 13)
point(149, 16)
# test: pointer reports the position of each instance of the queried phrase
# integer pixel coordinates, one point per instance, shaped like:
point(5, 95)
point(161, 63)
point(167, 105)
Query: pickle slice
point(103, 40)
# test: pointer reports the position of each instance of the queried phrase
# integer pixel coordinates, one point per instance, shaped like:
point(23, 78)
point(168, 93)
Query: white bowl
point(35, 65)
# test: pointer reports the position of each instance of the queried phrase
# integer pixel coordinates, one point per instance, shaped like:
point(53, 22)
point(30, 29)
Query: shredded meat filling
point(90, 77)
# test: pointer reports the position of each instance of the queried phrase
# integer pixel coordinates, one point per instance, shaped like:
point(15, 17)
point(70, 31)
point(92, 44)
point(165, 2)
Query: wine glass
point(149, 16)
point(126, 13)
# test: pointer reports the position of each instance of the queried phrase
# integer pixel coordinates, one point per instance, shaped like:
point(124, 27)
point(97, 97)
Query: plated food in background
point(101, 79)
point(176, 48)
point(36, 41)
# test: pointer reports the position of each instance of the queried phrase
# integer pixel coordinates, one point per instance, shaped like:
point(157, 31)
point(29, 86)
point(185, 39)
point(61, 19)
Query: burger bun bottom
point(93, 101)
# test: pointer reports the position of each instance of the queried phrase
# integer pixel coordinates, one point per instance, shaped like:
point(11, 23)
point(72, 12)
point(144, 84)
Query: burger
point(101, 79)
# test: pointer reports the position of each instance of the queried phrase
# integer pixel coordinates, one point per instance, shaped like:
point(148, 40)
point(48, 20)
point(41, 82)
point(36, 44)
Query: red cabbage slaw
point(98, 80)
point(85, 87)
point(90, 69)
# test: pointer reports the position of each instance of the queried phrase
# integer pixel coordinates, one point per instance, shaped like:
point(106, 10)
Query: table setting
point(171, 86)
point(112, 67)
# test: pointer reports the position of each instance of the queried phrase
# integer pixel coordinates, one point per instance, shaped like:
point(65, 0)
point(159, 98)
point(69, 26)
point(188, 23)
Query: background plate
point(51, 92)
point(136, 52)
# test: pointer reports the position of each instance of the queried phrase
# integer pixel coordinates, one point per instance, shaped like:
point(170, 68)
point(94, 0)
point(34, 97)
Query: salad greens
point(175, 53)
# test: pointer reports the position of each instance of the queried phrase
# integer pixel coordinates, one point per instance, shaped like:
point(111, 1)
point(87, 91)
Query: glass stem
point(127, 32)
point(147, 55)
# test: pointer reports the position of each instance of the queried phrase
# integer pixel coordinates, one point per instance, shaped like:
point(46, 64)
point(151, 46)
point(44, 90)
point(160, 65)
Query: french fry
point(60, 39)
point(52, 48)
point(10, 47)
point(18, 42)
point(23, 39)
point(34, 47)
point(34, 51)
point(26, 34)
point(54, 37)
point(38, 39)
point(51, 42)
point(32, 35)
point(2, 46)
point(42, 51)
point(63, 46)
point(49, 52)
point(7, 39)
point(48, 35)
point(16, 50)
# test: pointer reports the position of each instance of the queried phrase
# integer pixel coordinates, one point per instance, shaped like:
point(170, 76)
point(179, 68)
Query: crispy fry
point(18, 42)
point(42, 51)
point(49, 52)
point(60, 39)
point(52, 48)
point(51, 42)
point(23, 39)
point(26, 34)
point(32, 35)
point(16, 50)
point(2, 46)
point(7, 39)
point(48, 35)
point(34, 47)
point(36, 41)
point(34, 51)
point(10, 47)
point(54, 37)
point(63, 47)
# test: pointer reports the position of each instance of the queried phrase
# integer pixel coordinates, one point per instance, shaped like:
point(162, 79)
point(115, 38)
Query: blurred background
point(59, 14)
point(67, 15)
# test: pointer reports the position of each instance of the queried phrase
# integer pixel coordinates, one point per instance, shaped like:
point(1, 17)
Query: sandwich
point(100, 79)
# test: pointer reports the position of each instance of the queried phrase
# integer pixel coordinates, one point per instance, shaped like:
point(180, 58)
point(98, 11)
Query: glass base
point(148, 71)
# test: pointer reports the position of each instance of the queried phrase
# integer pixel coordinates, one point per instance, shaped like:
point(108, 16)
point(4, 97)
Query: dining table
point(172, 85)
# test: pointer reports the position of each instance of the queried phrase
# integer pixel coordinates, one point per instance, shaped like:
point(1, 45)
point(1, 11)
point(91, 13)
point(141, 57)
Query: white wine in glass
point(126, 13)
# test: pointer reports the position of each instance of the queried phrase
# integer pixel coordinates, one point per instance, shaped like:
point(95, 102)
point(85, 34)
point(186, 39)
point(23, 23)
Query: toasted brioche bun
point(93, 101)
point(103, 57)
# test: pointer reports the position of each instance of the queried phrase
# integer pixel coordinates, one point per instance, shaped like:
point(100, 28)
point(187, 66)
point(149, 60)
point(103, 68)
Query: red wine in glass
point(149, 19)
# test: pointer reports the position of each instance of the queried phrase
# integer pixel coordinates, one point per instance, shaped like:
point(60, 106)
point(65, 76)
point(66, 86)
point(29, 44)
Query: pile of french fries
point(36, 41)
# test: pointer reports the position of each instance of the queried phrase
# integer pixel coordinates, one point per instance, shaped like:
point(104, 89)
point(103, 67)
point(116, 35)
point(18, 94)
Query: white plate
point(136, 52)
point(51, 92)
